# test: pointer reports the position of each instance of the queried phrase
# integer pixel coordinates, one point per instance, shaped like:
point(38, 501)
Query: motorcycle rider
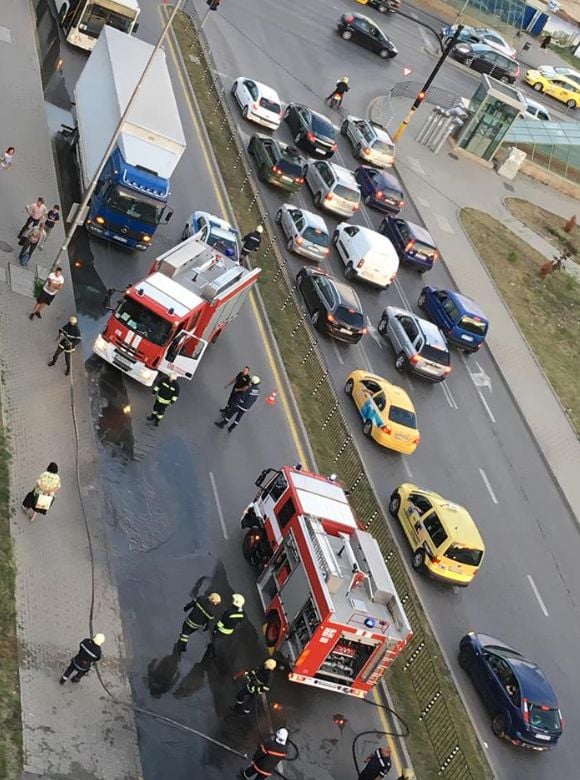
point(339, 91)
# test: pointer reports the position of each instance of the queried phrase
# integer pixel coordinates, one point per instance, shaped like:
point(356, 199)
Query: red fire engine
point(165, 322)
point(330, 603)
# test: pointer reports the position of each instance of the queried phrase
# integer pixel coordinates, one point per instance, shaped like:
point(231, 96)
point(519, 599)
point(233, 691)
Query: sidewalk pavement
point(440, 186)
point(75, 731)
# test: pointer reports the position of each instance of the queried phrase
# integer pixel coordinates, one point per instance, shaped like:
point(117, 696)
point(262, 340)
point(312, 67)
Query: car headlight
point(462, 48)
point(100, 344)
point(145, 373)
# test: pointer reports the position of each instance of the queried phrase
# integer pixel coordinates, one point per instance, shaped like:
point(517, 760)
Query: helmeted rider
point(339, 90)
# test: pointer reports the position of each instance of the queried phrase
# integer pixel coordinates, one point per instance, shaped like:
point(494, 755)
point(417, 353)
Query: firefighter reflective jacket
point(89, 653)
point(70, 336)
point(201, 612)
point(230, 620)
point(167, 391)
point(267, 757)
point(258, 680)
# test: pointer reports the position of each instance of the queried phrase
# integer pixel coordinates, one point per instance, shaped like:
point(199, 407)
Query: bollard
point(434, 129)
point(425, 129)
point(454, 124)
point(439, 130)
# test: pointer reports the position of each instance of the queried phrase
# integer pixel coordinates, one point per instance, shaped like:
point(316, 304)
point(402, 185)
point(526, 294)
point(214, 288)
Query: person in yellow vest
point(228, 624)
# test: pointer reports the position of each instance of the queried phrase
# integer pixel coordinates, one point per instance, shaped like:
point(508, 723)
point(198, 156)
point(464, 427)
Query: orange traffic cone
point(271, 399)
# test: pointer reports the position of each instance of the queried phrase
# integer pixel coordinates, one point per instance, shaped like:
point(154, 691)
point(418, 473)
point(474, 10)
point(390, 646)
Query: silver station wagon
point(306, 233)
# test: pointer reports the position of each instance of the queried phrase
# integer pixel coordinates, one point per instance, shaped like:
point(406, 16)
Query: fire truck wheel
point(272, 629)
point(216, 336)
point(249, 543)
point(348, 387)
point(418, 559)
point(395, 504)
point(368, 428)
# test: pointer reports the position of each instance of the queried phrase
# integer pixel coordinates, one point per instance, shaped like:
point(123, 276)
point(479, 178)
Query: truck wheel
point(349, 271)
point(418, 561)
point(216, 336)
point(272, 629)
point(401, 362)
point(395, 504)
point(349, 386)
point(249, 543)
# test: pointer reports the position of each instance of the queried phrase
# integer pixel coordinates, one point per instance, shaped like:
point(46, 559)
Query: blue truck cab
point(413, 243)
point(128, 204)
point(458, 316)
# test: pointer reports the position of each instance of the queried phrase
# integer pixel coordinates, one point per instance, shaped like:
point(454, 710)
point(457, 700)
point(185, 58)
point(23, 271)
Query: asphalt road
point(167, 528)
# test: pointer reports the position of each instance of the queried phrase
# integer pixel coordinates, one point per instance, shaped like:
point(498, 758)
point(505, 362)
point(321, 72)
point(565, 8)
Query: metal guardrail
point(340, 451)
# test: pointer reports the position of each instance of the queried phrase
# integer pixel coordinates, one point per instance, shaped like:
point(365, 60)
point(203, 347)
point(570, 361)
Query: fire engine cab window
point(286, 513)
point(143, 321)
point(278, 486)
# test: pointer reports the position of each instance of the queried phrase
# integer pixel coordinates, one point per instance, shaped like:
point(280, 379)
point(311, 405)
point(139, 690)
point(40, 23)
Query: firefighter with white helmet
point(228, 623)
point(166, 392)
point(68, 337)
point(268, 755)
point(257, 682)
point(251, 241)
point(202, 613)
point(88, 655)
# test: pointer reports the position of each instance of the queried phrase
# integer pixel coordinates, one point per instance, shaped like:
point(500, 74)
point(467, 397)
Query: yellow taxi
point(387, 411)
point(442, 535)
point(557, 86)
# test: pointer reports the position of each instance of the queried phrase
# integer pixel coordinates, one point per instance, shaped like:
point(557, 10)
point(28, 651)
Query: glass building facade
point(552, 145)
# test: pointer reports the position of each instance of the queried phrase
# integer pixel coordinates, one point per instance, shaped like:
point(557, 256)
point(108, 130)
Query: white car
point(366, 254)
point(259, 103)
point(536, 111)
point(215, 232)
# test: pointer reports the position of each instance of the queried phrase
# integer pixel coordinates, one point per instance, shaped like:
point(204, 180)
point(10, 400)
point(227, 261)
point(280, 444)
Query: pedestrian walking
point(257, 682)
point(7, 158)
point(229, 622)
point(89, 654)
point(546, 40)
point(166, 391)
point(69, 336)
point(377, 765)
point(36, 213)
point(52, 217)
point(251, 241)
point(241, 384)
point(41, 497)
point(30, 239)
point(53, 284)
point(202, 613)
point(268, 755)
point(240, 406)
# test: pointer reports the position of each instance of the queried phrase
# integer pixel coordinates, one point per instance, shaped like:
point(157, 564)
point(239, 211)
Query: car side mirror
point(168, 215)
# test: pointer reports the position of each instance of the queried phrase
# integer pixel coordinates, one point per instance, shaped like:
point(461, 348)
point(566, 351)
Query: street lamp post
point(80, 214)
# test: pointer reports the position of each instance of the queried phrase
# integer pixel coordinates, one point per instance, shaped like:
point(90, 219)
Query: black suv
point(361, 30)
point(312, 131)
point(481, 57)
point(333, 306)
point(277, 163)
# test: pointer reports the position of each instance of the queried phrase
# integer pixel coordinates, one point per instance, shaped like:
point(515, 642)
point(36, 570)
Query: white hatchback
point(259, 103)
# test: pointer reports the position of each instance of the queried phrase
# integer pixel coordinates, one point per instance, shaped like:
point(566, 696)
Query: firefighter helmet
point(173, 377)
point(256, 380)
point(73, 320)
point(99, 639)
point(270, 664)
point(259, 229)
point(282, 736)
point(238, 600)
point(214, 598)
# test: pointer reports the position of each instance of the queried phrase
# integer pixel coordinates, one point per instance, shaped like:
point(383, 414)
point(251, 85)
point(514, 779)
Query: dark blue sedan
point(380, 190)
point(517, 695)
point(413, 243)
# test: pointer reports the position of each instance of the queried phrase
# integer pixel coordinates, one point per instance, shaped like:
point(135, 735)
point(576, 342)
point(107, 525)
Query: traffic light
point(213, 4)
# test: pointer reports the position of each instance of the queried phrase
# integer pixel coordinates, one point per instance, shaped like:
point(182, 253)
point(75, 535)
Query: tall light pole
point(80, 214)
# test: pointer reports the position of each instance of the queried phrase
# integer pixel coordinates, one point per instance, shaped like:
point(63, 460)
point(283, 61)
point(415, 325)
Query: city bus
point(83, 20)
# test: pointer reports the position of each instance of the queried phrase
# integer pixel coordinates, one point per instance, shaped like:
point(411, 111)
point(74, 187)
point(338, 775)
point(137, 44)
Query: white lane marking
point(337, 352)
point(415, 165)
point(365, 358)
point(218, 505)
point(423, 202)
point(443, 223)
point(407, 467)
point(537, 595)
point(402, 294)
point(414, 15)
point(482, 379)
point(373, 333)
point(487, 484)
point(427, 40)
point(448, 395)
point(479, 380)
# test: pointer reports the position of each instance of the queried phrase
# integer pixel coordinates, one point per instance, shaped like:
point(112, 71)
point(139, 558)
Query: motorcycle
point(335, 100)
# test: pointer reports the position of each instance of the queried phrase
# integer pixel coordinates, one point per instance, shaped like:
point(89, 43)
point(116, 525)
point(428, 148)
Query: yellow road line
point(256, 313)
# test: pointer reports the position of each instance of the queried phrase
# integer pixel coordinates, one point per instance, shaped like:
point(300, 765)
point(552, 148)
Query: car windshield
point(144, 209)
point(315, 236)
point(543, 717)
point(322, 127)
point(382, 147)
point(290, 168)
point(223, 243)
point(350, 316)
point(270, 105)
point(96, 17)
point(439, 356)
point(143, 321)
point(402, 417)
point(346, 193)
point(473, 325)
point(464, 555)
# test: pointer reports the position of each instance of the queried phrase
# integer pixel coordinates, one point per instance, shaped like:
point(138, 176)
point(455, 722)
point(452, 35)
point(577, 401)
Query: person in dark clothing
point(268, 755)
point(377, 765)
point(251, 241)
point(52, 217)
point(546, 40)
point(341, 88)
point(241, 384)
point(201, 615)
point(257, 682)
point(240, 406)
point(166, 391)
point(88, 655)
point(68, 338)
point(229, 622)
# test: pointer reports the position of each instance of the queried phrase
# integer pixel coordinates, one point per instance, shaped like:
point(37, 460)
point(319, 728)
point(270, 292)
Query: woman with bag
point(29, 241)
point(40, 498)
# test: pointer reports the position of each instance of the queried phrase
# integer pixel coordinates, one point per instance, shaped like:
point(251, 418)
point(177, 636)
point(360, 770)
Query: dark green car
point(277, 163)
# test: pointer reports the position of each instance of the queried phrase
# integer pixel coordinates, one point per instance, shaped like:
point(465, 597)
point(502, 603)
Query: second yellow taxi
point(558, 86)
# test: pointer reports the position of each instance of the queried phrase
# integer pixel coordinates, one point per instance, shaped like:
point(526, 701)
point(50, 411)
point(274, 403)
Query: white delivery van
point(366, 254)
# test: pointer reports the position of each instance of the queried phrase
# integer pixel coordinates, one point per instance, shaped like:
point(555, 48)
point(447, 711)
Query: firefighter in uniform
point(257, 682)
point(251, 241)
point(166, 391)
point(268, 755)
point(68, 338)
point(201, 615)
point(88, 655)
point(230, 620)
point(378, 764)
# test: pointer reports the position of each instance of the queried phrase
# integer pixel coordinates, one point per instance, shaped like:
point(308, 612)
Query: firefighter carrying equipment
point(268, 754)
point(69, 336)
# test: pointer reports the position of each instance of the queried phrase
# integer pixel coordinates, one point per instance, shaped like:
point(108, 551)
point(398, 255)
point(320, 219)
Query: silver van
point(369, 141)
point(306, 232)
point(333, 187)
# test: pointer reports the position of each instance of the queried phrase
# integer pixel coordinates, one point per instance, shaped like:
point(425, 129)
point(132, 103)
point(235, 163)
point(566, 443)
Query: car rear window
point(543, 717)
point(383, 147)
point(439, 356)
point(392, 192)
point(402, 417)
point(290, 168)
point(322, 127)
point(346, 193)
point(315, 236)
point(423, 249)
point(464, 555)
point(472, 325)
point(350, 316)
point(270, 105)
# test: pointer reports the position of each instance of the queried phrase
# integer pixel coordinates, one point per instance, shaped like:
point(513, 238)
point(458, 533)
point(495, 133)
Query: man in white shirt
point(52, 286)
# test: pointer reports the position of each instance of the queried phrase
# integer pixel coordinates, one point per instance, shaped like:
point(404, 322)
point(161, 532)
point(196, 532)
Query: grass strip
point(547, 224)
point(442, 742)
point(546, 310)
point(10, 719)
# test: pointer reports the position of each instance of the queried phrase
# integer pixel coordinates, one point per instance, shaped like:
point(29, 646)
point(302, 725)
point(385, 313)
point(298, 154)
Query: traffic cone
point(271, 399)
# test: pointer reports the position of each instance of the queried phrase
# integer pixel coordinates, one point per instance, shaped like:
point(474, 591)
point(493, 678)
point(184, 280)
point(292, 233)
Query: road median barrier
point(442, 742)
